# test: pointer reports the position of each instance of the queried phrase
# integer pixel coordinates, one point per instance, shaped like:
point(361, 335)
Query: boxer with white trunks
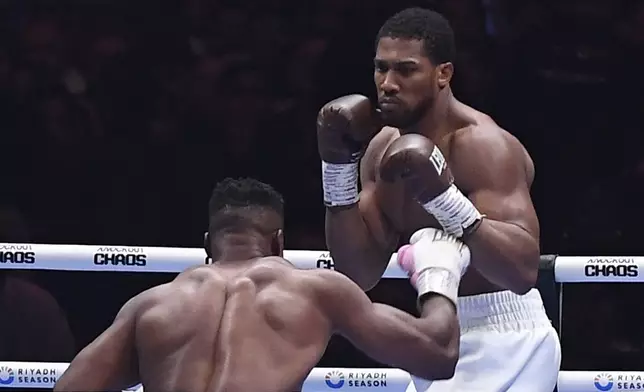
point(423, 159)
point(251, 322)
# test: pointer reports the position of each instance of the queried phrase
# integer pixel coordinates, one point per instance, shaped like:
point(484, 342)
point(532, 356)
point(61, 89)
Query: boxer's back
point(247, 326)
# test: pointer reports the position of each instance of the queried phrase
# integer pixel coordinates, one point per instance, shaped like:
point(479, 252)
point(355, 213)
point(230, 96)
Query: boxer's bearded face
point(405, 81)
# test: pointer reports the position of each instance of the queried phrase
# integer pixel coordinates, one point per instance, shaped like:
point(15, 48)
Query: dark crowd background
point(117, 118)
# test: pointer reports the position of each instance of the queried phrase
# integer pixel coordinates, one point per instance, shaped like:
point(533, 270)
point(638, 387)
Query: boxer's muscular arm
point(359, 238)
point(109, 362)
point(426, 347)
point(495, 170)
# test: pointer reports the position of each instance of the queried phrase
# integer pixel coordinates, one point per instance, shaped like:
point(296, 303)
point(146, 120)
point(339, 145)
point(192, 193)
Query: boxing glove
point(344, 127)
point(435, 262)
point(419, 164)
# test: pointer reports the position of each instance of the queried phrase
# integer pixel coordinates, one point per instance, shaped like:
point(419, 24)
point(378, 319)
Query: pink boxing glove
point(435, 262)
point(406, 262)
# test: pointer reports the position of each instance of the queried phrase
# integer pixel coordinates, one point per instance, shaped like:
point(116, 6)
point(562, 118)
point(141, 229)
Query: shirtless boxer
point(442, 164)
point(251, 322)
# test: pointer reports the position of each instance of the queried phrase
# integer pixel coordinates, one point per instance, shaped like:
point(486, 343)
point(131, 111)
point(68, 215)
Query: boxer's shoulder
point(149, 299)
point(187, 284)
point(319, 283)
point(185, 292)
point(482, 138)
point(483, 144)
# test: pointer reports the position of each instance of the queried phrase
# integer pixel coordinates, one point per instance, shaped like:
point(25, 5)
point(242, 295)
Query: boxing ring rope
point(578, 269)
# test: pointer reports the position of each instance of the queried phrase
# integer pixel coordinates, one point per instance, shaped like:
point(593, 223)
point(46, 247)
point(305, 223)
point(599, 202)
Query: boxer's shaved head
point(424, 25)
point(244, 205)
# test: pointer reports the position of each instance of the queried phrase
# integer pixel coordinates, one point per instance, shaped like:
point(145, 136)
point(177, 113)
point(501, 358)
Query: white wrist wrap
point(440, 281)
point(340, 183)
point(453, 211)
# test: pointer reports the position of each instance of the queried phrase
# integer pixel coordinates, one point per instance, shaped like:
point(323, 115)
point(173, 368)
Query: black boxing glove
point(419, 163)
point(344, 126)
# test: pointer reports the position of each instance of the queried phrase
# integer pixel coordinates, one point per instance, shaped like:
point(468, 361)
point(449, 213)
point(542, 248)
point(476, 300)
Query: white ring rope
point(45, 375)
point(588, 269)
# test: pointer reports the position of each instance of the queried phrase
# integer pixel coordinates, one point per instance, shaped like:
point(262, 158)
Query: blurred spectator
point(33, 327)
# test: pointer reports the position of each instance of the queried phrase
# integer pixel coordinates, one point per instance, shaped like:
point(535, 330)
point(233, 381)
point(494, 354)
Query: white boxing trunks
point(507, 344)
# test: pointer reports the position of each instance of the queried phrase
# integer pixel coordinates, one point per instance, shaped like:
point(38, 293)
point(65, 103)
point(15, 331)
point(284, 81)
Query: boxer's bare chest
point(406, 216)
point(403, 213)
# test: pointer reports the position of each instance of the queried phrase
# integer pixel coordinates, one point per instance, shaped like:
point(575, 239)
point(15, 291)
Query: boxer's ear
point(277, 243)
point(206, 246)
point(444, 73)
